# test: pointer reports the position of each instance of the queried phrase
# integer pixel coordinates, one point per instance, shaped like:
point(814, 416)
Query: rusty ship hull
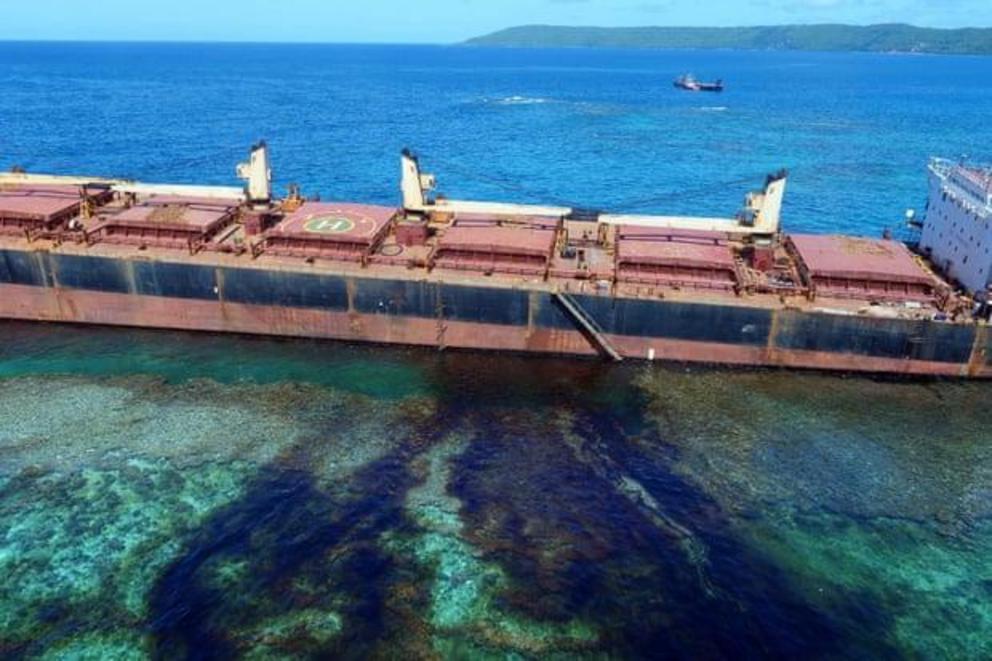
point(470, 275)
point(151, 293)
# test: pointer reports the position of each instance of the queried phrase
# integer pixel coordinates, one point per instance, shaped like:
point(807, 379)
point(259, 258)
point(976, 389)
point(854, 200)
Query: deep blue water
point(595, 128)
point(172, 495)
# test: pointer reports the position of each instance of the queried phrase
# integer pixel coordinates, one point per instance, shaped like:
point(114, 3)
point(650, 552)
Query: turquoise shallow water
point(173, 495)
point(180, 495)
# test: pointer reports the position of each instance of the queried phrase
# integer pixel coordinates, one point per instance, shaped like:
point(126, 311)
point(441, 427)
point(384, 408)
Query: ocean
point(179, 495)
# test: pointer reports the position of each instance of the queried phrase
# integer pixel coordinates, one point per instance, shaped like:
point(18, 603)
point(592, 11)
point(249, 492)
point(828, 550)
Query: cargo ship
point(453, 274)
point(688, 83)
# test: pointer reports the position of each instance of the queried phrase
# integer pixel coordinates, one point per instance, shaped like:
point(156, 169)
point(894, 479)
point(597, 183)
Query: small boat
point(689, 83)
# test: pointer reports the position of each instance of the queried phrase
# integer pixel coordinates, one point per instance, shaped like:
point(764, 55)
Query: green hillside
point(891, 38)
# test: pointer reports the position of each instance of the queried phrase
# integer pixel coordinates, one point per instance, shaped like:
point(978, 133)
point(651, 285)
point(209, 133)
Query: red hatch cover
point(42, 206)
point(330, 230)
point(687, 258)
point(848, 265)
point(478, 243)
point(489, 220)
point(166, 221)
point(856, 258)
point(675, 254)
point(702, 237)
point(508, 241)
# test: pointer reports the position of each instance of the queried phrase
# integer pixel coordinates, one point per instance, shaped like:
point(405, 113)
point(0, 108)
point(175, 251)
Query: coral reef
point(467, 612)
point(165, 495)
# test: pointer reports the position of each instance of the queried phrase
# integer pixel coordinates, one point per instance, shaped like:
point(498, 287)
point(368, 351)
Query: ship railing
point(942, 166)
point(103, 232)
point(32, 234)
point(226, 242)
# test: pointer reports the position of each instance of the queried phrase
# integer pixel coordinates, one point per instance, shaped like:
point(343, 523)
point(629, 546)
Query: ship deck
point(522, 253)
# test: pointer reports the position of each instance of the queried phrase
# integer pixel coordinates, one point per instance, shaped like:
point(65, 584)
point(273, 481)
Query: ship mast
point(257, 171)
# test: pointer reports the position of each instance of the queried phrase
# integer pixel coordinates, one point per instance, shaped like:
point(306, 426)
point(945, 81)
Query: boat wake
point(519, 101)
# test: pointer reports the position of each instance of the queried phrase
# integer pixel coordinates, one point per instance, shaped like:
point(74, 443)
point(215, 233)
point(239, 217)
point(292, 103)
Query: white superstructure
point(957, 230)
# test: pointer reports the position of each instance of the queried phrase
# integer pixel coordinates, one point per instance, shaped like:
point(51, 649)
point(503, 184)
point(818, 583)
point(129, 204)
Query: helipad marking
point(329, 225)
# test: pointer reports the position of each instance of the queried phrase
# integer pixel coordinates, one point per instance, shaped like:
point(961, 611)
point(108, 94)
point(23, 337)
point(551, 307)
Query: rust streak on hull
point(979, 353)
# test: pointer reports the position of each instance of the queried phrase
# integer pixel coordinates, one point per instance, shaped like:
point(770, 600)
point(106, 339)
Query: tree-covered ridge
point(873, 38)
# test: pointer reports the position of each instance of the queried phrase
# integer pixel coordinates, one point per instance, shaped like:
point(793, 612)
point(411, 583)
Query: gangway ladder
point(587, 326)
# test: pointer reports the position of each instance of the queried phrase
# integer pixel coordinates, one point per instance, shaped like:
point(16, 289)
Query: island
point(886, 38)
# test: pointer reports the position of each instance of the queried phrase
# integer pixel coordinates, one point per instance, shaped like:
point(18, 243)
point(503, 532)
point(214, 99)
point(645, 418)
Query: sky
point(436, 21)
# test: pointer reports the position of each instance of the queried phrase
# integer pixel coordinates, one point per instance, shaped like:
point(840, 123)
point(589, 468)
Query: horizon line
point(220, 41)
